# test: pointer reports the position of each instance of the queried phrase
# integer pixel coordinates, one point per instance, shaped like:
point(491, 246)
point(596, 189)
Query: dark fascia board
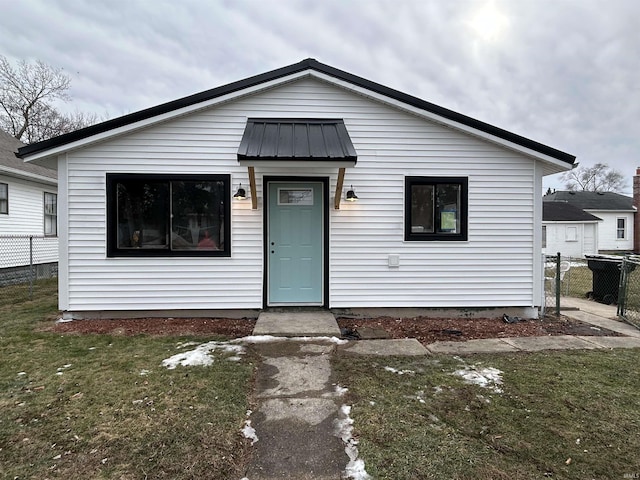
point(308, 64)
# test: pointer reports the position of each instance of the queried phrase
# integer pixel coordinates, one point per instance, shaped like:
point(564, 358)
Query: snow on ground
point(270, 338)
point(201, 355)
point(486, 377)
point(399, 372)
point(343, 428)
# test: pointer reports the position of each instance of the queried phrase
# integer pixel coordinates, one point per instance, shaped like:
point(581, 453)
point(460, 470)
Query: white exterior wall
point(607, 240)
point(494, 268)
point(26, 217)
point(561, 239)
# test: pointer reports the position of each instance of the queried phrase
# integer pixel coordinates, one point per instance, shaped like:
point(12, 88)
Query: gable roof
point(11, 165)
point(297, 68)
point(565, 212)
point(593, 200)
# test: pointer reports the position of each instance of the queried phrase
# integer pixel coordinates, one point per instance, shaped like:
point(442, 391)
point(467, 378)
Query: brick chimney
point(636, 203)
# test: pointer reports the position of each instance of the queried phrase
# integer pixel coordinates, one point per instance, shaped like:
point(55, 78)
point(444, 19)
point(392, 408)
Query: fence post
point(622, 290)
point(30, 267)
point(558, 284)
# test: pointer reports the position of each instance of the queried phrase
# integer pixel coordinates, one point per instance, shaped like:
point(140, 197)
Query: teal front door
point(295, 266)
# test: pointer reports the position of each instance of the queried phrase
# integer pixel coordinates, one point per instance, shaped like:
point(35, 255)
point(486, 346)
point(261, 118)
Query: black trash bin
point(606, 277)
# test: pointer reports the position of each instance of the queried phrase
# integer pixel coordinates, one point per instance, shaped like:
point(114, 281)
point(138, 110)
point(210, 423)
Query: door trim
point(266, 180)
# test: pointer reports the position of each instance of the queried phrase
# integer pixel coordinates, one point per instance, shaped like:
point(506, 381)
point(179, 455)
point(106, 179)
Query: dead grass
point(569, 415)
point(102, 406)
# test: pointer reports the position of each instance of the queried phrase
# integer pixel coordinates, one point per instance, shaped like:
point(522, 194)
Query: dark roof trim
point(307, 64)
point(296, 139)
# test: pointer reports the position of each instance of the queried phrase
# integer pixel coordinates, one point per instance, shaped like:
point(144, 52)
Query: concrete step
point(317, 323)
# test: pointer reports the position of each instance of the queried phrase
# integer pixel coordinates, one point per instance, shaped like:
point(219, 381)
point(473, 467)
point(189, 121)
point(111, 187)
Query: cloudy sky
point(563, 72)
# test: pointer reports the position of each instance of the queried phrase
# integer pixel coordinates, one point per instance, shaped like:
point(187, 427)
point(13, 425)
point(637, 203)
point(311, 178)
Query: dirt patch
point(428, 330)
point(425, 329)
point(226, 327)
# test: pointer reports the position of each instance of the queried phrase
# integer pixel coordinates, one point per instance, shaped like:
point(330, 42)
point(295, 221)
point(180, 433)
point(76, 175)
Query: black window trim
point(7, 202)
point(410, 236)
point(112, 213)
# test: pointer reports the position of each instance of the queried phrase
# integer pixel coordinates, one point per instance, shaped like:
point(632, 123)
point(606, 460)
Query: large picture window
point(168, 215)
point(436, 208)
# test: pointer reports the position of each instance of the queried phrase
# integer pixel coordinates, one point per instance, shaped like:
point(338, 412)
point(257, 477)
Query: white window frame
point(4, 199)
point(622, 230)
point(571, 233)
point(52, 231)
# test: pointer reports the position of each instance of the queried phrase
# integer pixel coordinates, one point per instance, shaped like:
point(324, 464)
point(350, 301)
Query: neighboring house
point(616, 231)
point(28, 207)
point(569, 230)
point(238, 199)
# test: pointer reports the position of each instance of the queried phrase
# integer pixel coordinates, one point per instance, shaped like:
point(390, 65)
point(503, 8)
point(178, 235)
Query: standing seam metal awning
point(296, 139)
point(304, 142)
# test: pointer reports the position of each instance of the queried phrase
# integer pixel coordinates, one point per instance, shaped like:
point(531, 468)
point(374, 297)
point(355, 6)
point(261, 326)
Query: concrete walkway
point(298, 406)
point(297, 414)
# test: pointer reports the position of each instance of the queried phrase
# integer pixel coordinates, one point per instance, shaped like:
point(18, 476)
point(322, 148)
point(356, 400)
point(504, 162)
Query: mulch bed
point(425, 329)
point(428, 330)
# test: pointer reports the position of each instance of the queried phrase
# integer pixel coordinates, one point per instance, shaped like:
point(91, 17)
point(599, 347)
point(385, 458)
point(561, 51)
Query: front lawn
point(102, 406)
point(561, 415)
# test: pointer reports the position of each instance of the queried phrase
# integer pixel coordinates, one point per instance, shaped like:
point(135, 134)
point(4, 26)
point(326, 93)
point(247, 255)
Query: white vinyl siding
point(25, 217)
point(582, 242)
point(608, 240)
point(493, 268)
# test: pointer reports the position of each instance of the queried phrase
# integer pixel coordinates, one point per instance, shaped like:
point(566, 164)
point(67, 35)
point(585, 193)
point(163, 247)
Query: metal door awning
point(298, 143)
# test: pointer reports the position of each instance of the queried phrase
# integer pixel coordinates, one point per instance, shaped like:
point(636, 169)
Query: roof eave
point(160, 112)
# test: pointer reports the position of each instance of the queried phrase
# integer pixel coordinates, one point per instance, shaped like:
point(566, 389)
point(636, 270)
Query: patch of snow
point(64, 320)
point(271, 338)
point(437, 389)
point(338, 391)
point(21, 373)
point(92, 348)
point(399, 372)
point(248, 431)
point(487, 377)
point(372, 403)
point(235, 358)
point(200, 355)
point(343, 429)
point(144, 372)
point(186, 344)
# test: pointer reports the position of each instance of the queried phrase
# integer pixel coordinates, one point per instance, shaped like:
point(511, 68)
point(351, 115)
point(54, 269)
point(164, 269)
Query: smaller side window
point(621, 230)
point(544, 236)
point(4, 198)
point(436, 208)
point(571, 234)
point(50, 214)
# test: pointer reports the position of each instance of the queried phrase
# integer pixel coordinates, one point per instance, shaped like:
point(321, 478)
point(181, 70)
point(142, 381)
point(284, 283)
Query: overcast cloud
point(564, 73)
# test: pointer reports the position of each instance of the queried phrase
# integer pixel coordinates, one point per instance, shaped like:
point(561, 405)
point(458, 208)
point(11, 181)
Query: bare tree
point(27, 97)
point(598, 178)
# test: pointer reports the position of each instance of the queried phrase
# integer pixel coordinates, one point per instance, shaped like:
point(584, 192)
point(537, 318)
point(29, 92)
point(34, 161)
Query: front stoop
point(319, 323)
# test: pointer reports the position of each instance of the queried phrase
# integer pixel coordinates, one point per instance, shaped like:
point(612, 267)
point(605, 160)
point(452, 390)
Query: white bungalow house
point(303, 186)
point(568, 230)
point(616, 212)
point(28, 210)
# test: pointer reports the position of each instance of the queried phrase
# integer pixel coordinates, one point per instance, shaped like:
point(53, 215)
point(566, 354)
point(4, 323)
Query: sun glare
point(489, 22)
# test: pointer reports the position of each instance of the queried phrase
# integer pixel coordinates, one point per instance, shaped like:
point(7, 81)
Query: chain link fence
point(566, 277)
point(629, 297)
point(608, 279)
point(28, 263)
